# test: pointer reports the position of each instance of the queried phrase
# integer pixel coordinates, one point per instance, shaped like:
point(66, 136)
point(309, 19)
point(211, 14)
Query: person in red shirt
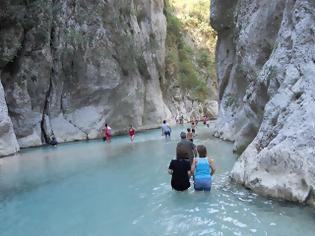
point(132, 133)
point(107, 133)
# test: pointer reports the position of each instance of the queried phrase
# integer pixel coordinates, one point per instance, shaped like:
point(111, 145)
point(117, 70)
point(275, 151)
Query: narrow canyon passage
point(68, 67)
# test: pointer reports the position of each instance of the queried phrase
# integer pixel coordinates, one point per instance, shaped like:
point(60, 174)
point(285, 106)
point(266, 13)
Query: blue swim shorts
point(202, 184)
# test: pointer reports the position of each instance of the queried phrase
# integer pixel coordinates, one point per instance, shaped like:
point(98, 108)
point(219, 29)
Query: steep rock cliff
point(69, 66)
point(266, 70)
point(8, 142)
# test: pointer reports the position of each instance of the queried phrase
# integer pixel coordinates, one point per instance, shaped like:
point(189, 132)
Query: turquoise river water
point(93, 188)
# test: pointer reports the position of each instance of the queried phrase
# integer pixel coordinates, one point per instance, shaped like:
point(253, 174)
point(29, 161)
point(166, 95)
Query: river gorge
point(67, 67)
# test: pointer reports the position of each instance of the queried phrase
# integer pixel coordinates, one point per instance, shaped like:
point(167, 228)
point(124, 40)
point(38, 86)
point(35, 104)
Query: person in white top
point(166, 130)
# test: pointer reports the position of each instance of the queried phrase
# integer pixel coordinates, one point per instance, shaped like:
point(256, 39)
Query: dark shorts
point(167, 133)
point(202, 184)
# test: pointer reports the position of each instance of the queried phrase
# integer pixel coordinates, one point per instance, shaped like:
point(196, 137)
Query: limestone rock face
point(8, 142)
point(69, 66)
point(266, 70)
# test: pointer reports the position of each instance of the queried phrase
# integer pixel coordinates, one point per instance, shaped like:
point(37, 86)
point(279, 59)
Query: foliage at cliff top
point(190, 46)
point(195, 16)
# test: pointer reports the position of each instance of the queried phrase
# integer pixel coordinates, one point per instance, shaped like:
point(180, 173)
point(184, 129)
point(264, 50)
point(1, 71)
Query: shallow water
point(93, 188)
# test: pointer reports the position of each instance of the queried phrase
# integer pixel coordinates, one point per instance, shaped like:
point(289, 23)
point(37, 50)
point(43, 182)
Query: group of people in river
point(191, 160)
point(108, 133)
point(166, 129)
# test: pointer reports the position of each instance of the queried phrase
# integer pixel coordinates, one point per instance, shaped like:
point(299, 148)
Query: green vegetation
point(194, 14)
point(190, 45)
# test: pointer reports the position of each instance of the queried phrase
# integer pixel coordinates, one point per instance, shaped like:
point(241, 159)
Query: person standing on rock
point(107, 133)
point(166, 130)
point(132, 133)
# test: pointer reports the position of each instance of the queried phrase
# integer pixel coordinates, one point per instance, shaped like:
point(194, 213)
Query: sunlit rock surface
point(266, 70)
point(67, 67)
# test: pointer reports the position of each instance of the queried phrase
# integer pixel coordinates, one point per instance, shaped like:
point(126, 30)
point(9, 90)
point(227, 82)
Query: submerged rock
point(266, 70)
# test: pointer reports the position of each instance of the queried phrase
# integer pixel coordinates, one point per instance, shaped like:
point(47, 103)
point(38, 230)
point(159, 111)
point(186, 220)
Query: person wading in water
point(132, 133)
point(166, 130)
point(107, 133)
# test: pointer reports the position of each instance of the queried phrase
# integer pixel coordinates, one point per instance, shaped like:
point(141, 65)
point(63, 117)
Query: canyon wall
point(69, 66)
point(266, 71)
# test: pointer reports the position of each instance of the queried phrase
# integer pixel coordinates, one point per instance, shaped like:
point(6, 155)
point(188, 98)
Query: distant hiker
point(193, 128)
point(107, 133)
point(180, 169)
point(181, 119)
point(166, 130)
point(193, 125)
point(132, 133)
point(191, 148)
point(53, 141)
point(205, 120)
point(203, 169)
point(189, 135)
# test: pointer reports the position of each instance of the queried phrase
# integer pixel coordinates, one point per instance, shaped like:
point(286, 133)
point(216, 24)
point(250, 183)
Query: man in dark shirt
point(190, 146)
point(180, 169)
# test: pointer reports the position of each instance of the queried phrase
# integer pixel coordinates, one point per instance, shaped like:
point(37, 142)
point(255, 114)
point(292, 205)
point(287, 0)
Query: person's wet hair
point(188, 129)
point(182, 152)
point(202, 150)
point(164, 121)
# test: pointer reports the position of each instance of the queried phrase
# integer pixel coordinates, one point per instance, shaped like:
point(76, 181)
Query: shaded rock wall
point(8, 141)
point(69, 66)
point(266, 70)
